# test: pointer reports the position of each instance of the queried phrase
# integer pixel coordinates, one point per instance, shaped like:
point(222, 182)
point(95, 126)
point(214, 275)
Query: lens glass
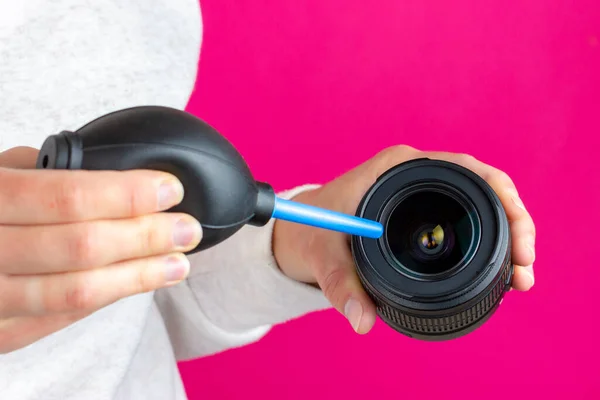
point(429, 233)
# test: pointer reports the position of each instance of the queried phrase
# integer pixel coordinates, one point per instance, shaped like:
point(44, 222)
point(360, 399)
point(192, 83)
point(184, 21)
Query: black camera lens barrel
point(452, 301)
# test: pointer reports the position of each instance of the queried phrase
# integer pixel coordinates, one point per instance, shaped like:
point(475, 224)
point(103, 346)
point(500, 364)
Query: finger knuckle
point(533, 229)
point(80, 295)
point(392, 156)
point(144, 282)
point(504, 178)
point(149, 234)
point(135, 199)
point(396, 152)
point(466, 159)
point(82, 247)
point(332, 283)
point(70, 201)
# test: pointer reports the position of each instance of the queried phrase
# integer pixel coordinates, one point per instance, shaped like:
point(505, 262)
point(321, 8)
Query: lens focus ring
point(459, 321)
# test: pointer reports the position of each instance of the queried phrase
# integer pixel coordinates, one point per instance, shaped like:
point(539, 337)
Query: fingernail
point(353, 312)
point(529, 272)
point(170, 193)
point(530, 243)
point(176, 269)
point(186, 232)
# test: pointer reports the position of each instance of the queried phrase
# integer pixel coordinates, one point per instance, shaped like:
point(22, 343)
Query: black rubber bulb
point(220, 191)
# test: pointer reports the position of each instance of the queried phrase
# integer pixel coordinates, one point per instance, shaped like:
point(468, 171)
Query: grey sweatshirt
point(62, 64)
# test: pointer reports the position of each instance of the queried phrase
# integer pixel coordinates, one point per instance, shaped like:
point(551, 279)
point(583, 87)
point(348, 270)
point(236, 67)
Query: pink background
point(327, 83)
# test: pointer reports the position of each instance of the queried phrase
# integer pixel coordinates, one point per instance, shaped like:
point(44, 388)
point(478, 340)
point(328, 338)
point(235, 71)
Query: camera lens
point(443, 264)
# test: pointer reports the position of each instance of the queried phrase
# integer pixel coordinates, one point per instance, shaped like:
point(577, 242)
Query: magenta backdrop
point(306, 89)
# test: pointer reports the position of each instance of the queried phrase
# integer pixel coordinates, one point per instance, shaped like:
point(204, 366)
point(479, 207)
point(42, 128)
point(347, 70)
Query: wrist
point(291, 242)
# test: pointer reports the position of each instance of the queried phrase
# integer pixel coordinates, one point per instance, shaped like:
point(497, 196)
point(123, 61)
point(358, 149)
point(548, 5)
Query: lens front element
point(430, 233)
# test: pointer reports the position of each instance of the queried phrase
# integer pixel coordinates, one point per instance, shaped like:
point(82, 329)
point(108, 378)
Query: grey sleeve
point(234, 294)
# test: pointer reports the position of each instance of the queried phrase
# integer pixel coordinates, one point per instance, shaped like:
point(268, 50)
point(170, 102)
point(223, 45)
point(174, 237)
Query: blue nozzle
point(308, 215)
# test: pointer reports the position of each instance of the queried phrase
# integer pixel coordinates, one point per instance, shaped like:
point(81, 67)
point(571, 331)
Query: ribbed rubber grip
point(447, 324)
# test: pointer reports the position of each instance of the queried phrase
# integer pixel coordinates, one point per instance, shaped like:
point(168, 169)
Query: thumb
point(340, 284)
point(19, 157)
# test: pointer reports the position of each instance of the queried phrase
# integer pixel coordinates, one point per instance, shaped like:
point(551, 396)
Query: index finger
point(38, 197)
